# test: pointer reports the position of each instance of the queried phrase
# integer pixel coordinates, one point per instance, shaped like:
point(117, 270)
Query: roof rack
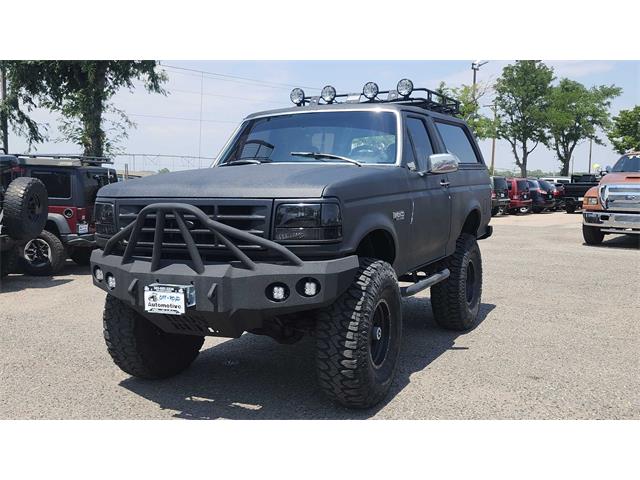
point(430, 100)
point(59, 158)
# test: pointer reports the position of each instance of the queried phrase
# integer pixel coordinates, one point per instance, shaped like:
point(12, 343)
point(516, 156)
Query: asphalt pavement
point(559, 338)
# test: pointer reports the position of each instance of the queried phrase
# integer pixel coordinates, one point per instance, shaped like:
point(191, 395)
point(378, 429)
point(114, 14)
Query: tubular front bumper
point(231, 297)
point(613, 222)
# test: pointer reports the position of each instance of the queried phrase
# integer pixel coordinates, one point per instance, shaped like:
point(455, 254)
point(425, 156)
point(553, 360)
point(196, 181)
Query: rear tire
point(43, 255)
point(495, 211)
point(140, 348)
point(80, 255)
point(592, 235)
point(358, 337)
point(25, 208)
point(456, 301)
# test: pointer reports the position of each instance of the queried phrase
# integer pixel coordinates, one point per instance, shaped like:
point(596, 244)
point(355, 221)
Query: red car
point(519, 195)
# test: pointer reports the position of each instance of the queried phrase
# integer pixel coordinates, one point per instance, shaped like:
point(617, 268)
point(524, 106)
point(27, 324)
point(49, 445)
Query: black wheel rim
point(37, 252)
point(34, 207)
point(379, 335)
point(470, 286)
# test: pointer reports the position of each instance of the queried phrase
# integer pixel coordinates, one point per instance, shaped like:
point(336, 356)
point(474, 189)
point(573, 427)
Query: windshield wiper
point(323, 156)
point(247, 161)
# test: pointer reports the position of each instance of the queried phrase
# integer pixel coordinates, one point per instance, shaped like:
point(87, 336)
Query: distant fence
point(137, 162)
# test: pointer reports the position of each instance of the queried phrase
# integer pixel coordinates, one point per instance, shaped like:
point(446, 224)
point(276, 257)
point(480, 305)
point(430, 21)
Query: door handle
point(444, 183)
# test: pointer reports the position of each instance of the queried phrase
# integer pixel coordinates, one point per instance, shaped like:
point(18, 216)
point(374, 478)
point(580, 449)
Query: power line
point(224, 96)
point(181, 118)
point(236, 77)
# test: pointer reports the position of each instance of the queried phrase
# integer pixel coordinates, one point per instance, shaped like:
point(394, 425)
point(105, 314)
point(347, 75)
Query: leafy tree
point(470, 102)
point(574, 114)
point(521, 103)
point(625, 132)
point(164, 170)
point(14, 111)
point(81, 91)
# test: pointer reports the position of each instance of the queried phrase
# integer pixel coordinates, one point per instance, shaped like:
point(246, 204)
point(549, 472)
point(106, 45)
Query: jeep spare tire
point(25, 208)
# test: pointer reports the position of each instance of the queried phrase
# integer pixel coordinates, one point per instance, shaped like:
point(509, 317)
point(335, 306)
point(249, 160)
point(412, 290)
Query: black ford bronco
point(306, 224)
point(23, 211)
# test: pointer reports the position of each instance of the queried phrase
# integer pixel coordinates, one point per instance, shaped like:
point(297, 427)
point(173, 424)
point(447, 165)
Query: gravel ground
point(559, 339)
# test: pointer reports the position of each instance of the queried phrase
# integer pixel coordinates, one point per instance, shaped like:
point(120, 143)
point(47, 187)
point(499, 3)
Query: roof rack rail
point(83, 159)
point(431, 100)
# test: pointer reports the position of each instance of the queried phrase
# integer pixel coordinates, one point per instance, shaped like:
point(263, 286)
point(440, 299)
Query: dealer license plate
point(168, 299)
point(83, 228)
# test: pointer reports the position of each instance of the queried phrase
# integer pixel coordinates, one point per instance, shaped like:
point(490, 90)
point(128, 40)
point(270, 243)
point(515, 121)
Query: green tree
point(81, 91)
point(574, 114)
point(470, 103)
point(521, 103)
point(14, 111)
point(624, 134)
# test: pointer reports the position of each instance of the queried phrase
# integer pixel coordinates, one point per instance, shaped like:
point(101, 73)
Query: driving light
point(370, 90)
point(297, 96)
point(111, 281)
point(98, 274)
point(405, 87)
point(328, 94)
point(308, 287)
point(277, 292)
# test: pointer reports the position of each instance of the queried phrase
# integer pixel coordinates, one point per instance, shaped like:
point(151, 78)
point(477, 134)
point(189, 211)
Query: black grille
point(252, 216)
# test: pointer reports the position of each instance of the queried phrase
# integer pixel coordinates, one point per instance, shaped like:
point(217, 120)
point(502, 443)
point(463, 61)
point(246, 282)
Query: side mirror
point(443, 163)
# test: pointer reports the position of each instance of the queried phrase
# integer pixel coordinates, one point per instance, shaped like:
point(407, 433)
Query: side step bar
point(424, 284)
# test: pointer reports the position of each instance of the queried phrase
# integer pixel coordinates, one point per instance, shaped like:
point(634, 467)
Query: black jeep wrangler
point(306, 223)
point(23, 211)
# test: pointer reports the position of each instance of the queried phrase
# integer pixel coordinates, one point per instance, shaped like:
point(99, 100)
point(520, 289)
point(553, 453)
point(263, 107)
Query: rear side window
point(457, 142)
point(420, 141)
point(522, 185)
point(58, 184)
point(499, 183)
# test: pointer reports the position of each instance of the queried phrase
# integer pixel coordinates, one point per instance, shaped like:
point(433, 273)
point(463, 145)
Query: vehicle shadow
point(253, 377)
point(20, 280)
point(624, 242)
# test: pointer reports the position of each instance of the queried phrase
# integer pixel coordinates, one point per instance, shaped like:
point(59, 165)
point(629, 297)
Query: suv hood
point(254, 181)
point(621, 177)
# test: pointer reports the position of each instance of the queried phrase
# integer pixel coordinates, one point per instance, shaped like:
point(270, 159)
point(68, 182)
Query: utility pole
point(590, 147)
point(200, 133)
point(493, 140)
point(475, 66)
point(4, 121)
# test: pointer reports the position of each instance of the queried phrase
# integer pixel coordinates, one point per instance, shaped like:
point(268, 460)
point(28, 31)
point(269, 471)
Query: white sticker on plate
point(168, 303)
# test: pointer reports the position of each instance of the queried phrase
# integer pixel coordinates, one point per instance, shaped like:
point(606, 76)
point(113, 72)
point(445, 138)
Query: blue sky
point(170, 125)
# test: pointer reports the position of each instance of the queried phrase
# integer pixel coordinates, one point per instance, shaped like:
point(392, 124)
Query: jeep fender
point(60, 222)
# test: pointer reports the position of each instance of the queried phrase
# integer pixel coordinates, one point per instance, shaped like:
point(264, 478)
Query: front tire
point(456, 301)
point(358, 337)
point(43, 255)
point(592, 235)
point(140, 348)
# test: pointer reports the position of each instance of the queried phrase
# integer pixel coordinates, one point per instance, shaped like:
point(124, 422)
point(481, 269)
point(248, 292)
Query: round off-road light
point(297, 96)
point(98, 274)
point(111, 281)
point(328, 94)
point(405, 87)
point(277, 292)
point(370, 90)
point(308, 287)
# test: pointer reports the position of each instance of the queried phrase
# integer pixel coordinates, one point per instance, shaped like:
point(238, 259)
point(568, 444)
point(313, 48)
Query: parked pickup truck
point(305, 224)
point(575, 191)
point(614, 205)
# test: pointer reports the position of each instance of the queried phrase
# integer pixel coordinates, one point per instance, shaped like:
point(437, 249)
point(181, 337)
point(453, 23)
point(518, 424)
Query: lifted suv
point(72, 183)
point(23, 211)
point(306, 224)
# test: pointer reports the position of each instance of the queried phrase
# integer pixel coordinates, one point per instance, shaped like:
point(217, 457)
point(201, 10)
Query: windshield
point(499, 183)
point(533, 184)
point(545, 185)
point(367, 136)
point(627, 163)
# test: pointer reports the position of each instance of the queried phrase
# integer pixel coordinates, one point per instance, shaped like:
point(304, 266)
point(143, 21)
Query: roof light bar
point(428, 100)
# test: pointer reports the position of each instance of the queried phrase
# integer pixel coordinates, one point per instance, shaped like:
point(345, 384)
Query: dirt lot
point(559, 338)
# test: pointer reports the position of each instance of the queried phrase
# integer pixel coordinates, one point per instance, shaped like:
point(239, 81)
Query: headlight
point(104, 217)
point(591, 200)
point(308, 221)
